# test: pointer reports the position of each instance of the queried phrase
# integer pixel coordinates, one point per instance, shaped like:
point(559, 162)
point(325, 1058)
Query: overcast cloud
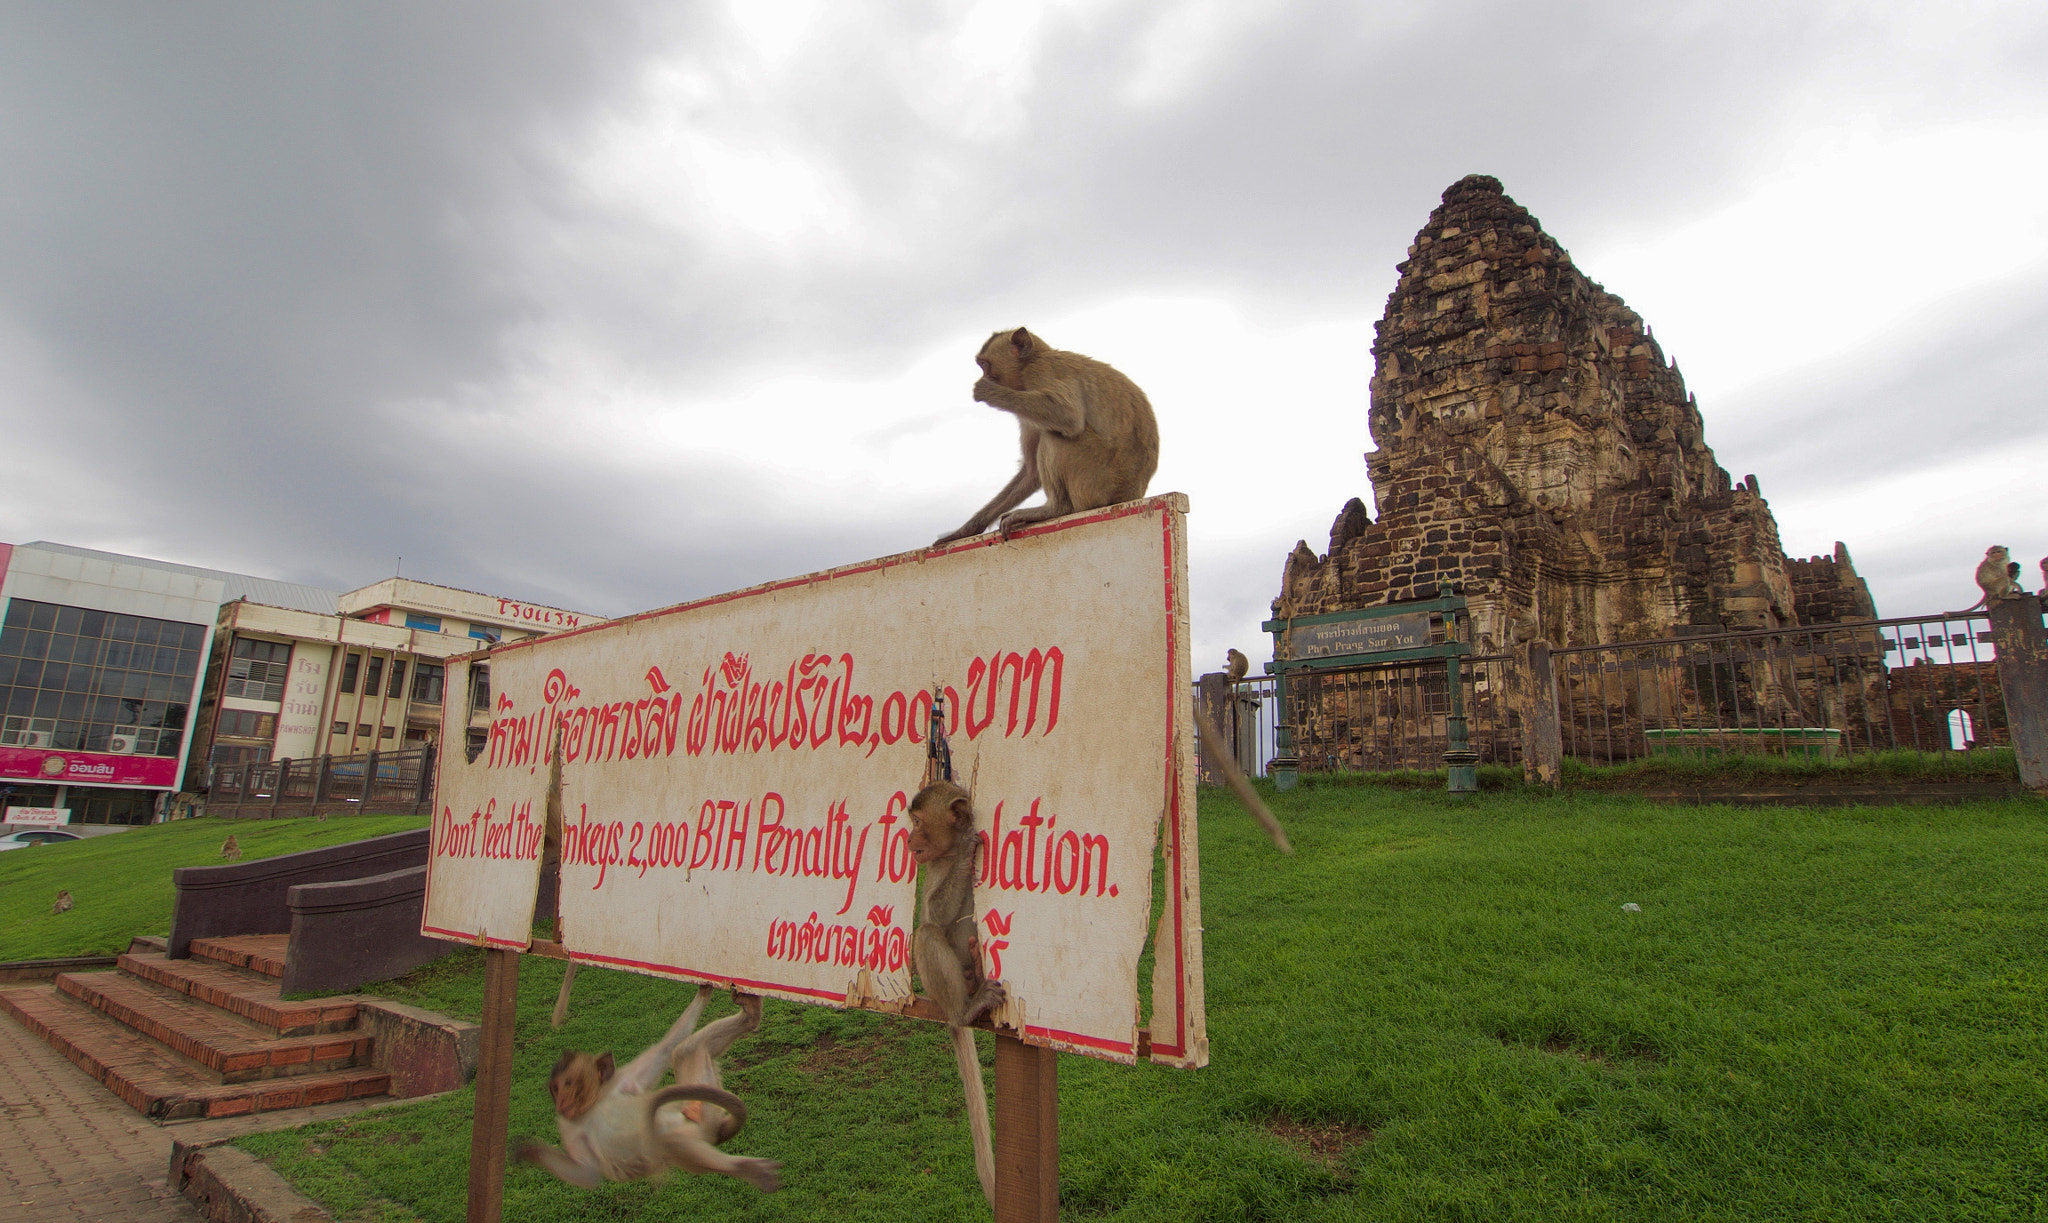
point(610, 306)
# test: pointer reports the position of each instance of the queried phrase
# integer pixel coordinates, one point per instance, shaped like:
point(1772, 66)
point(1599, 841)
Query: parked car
point(35, 836)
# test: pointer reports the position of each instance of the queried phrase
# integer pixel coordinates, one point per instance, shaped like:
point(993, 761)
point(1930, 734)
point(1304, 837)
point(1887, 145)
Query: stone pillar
point(1532, 693)
point(2022, 644)
point(1212, 694)
point(1244, 736)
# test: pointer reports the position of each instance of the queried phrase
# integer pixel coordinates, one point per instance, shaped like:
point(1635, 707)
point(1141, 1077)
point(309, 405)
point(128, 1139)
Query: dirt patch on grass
point(1564, 1044)
point(863, 1061)
point(1324, 1141)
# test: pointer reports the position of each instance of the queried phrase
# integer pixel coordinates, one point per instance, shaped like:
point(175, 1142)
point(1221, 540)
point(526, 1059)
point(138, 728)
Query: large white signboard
point(737, 771)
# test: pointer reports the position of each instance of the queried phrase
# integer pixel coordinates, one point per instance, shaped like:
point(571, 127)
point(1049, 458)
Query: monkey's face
point(931, 833)
point(1002, 359)
point(938, 815)
point(577, 1081)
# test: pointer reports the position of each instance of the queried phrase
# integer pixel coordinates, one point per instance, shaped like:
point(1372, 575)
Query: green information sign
point(1379, 634)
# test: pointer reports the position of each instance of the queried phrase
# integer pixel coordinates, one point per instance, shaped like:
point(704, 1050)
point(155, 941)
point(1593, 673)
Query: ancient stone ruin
point(1537, 454)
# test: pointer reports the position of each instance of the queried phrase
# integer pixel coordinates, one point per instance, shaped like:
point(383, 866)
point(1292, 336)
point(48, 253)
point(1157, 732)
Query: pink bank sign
point(88, 768)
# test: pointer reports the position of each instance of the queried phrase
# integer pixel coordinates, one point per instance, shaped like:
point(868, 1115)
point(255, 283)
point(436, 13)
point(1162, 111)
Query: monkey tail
point(1212, 740)
point(709, 1095)
point(971, 1085)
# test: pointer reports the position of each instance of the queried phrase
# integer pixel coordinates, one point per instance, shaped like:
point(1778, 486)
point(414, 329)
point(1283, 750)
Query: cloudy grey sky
point(612, 305)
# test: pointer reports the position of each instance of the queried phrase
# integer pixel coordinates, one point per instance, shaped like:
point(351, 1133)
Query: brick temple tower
point(1538, 454)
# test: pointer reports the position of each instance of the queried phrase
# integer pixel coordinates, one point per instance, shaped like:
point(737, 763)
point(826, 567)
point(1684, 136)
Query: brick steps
point(160, 1082)
point(236, 1050)
point(238, 991)
point(262, 953)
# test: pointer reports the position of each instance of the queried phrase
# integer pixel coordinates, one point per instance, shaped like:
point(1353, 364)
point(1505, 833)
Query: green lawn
point(120, 883)
point(1438, 1010)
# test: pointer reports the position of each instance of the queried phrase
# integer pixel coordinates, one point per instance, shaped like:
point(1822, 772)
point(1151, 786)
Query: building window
point(362, 729)
point(430, 624)
point(349, 667)
point(426, 682)
point(479, 687)
point(397, 685)
point(386, 732)
point(81, 680)
point(258, 669)
point(372, 681)
point(235, 755)
point(247, 724)
point(97, 806)
point(485, 633)
point(339, 728)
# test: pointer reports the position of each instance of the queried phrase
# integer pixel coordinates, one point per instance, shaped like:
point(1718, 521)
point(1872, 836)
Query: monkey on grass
point(231, 849)
point(1086, 433)
point(944, 949)
point(614, 1126)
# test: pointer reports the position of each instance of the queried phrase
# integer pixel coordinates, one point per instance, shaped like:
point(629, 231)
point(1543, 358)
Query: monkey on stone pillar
point(1996, 577)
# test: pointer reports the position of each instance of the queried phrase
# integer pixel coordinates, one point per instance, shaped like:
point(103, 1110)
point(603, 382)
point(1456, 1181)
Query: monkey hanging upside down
point(614, 1127)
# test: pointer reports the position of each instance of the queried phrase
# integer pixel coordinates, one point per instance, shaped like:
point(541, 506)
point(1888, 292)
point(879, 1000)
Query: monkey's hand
point(557, 1161)
point(990, 997)
point(989, 391)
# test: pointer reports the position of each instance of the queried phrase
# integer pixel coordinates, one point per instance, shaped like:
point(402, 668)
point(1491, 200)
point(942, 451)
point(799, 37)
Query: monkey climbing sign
point(737, 773)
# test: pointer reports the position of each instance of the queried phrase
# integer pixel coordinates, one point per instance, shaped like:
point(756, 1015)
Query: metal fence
point(1247, 714)
point(1923, 683)
point(386, 783)
point(1394, 717)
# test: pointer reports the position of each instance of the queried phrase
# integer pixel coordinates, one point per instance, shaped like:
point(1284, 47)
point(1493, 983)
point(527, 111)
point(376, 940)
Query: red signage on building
point(62, 768)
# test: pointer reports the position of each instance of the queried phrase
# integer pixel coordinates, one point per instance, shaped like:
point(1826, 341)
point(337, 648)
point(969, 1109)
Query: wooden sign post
point(736, 777)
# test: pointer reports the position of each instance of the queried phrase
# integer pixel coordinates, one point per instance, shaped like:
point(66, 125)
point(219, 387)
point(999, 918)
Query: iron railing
point(384, 782)
point(1248, 717)
point(1926, 683)
point(1923, 683)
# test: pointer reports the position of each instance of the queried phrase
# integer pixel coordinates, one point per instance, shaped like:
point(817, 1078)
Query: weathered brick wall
point(1826, 590)
point(1537, 453)
point(1923, 695)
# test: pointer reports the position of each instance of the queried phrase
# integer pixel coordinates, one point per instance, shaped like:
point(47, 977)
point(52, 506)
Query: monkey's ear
point(1022, 340)
point(963, 812)
point(605, 1067)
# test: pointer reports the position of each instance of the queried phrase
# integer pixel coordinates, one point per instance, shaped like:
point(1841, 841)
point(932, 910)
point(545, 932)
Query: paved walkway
point(69, 1150)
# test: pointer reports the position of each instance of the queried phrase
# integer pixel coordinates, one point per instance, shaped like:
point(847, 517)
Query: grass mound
point(120, 883)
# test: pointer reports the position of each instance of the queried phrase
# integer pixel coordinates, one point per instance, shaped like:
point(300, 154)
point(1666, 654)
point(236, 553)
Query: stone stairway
point(208, 1036)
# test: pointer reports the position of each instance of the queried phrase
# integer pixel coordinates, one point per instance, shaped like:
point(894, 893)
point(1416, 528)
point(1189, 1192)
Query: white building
point(288, 684)
point(123, 678)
